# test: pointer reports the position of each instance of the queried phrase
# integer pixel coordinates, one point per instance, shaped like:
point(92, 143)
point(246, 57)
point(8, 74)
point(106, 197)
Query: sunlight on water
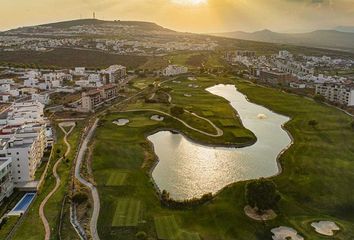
point(188, 170)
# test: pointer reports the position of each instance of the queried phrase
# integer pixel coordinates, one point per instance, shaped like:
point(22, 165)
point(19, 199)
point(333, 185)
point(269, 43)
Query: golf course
point(314, 182)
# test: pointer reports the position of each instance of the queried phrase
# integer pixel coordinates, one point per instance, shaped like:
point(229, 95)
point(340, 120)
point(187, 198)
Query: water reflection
point(188, 170)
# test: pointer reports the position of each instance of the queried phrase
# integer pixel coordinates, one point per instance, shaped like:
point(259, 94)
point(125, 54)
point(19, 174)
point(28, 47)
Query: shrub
point(141, 235)
point(319, 98)
point(313, 123)
point(176, 111)
point(80, 197)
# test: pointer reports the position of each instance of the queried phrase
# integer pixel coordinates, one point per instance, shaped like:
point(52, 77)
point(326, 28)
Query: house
point(173, 70)
point(42, 98)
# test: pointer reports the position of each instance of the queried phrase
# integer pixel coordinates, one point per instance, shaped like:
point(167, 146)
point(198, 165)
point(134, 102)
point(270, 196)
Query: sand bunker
point(187, 95)
point(193, 85)
point(121, 122)
point(192, 78)
point(157, 118)
point(285, 233)
point(174, 81)
point(326, 228)
point(252, 213)
point(261, 116)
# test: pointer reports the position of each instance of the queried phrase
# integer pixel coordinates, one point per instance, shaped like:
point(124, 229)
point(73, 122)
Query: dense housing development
point(173, 70)
point(23, 140)
point(337, 93)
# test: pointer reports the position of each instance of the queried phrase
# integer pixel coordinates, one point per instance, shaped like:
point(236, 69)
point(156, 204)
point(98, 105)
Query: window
point(18, 165)
point(18, 171)
point(19, 177)
point(17, 153)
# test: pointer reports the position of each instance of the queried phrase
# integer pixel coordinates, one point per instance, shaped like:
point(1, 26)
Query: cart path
point(57, 177)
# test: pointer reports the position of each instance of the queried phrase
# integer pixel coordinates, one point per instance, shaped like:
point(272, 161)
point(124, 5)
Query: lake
point(187, 169)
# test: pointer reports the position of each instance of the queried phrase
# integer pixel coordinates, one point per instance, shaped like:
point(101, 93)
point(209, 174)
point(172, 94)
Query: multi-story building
point(25, 145)
point(6, 182)
point(23, 112)
point(245, 53)
point(115, 74)
point(90, 100)
point(337, 93)
point(275, 78)
point(173, 70)
point(294, 68)
point(97, 97)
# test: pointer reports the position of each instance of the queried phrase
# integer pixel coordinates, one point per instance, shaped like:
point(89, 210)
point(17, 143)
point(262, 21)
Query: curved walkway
point(219, 132)
point(94, 192)
point(57, 185)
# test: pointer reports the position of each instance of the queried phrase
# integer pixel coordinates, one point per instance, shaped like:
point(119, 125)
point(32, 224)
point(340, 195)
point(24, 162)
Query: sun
point(190, 2)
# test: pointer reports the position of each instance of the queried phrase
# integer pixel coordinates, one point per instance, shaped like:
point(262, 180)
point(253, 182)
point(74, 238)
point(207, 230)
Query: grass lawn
point(117, 179)
point(127, 214)
point(166, 227)
point(316, 182)
point(8, 226)
point(32, 226)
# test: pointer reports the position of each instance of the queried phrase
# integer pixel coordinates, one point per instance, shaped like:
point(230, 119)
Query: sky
point(201, 16)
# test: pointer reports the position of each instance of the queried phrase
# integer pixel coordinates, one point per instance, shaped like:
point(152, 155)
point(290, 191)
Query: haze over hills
point(90, 27)
point(330, 39)
point(345, 29)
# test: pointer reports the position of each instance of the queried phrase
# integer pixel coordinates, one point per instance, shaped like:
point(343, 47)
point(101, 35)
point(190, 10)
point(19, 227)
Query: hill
point(329, 39)
point(89, 27)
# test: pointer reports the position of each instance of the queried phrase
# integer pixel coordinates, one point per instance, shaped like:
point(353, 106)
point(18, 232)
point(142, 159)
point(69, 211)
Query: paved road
point(94, 192)
point(57, 185)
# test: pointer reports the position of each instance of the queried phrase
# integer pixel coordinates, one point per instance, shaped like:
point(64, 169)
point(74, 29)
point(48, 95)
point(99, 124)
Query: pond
point(187, 169)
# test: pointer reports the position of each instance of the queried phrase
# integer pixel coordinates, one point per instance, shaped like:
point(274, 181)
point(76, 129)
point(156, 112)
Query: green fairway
point(316, 182)
point(188, 236)
point(227, 123)
point(127, 213)
point(167, 227)
point(116, 179)
point(208, 113)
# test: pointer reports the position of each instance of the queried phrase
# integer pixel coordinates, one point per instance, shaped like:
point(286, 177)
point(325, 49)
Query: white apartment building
point(173, 70)
point(336, 93)
point(294, 68)
point(6, 181)
point(31, 82)
point(115, 74)
point(25, 145)
point(42, 98)
point(94, 98)
point(24, 112)
point(79, 71)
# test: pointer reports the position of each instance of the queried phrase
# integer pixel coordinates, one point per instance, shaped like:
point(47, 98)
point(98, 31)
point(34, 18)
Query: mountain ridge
point(331, 39)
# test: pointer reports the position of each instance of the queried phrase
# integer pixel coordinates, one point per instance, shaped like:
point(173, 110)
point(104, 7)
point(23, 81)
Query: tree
point(352, 125)
point(313, 123)
point(175, 111)
point(141, 235)
point(319, 98)
point(80, 198)
point(262, 194)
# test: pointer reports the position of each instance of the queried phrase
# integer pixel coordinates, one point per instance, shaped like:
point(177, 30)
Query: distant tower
point(94, 15)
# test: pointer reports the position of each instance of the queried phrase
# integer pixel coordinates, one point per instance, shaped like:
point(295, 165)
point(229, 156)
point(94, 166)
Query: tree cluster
point(167, 201)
